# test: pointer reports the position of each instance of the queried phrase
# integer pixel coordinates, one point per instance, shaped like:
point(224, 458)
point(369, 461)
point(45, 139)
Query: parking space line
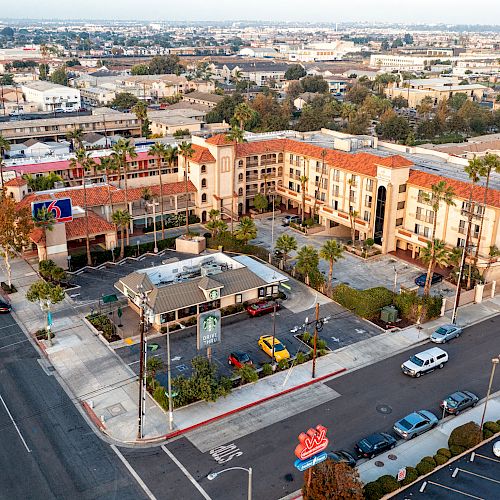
point(15, 425)
point(136, 476)
point(203, 493)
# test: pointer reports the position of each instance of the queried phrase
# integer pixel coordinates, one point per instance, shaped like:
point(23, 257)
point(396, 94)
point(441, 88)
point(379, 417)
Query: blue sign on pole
point(49, 318)
point(60, 208)
point(302, 465)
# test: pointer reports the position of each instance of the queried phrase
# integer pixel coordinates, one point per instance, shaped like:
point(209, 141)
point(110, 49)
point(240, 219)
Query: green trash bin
point(389, 314)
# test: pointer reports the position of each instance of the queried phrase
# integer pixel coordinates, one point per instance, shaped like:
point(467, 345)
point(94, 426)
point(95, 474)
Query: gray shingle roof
point(135, 280)
point(207, 283)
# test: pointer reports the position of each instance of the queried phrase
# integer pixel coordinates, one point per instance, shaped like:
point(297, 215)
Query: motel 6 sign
point(61, 209)
point(311, 448)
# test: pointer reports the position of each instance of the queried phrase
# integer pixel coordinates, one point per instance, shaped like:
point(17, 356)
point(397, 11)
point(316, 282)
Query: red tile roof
point(16, 181)
point(201, 155)
point(97, 225)
point(260, 147)
point(396, 161)
point(97, 196)
point(219, 140)
point(461, 188)
point(38, 236)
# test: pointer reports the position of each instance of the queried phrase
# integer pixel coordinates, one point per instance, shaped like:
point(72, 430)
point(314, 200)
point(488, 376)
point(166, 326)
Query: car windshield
point(451, 402)
point(365, 444)
point(279, 347)
point(441, 331)
point(244, 357)
point(403, 423)
point(416, 361)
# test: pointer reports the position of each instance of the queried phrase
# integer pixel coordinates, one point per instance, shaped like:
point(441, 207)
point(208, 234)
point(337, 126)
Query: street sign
point(311, 443)
point(209, 329)
point(109, 299)
point(401, 474)
point(60, 208)
point(49, 318)
point(302, 465)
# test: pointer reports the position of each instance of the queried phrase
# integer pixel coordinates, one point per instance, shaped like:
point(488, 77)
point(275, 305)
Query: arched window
point(280, 158)
point(203, 183)
point(204, 198)
point(240, 178)
point(240, 164)
point(240, 192)
point(203, 169)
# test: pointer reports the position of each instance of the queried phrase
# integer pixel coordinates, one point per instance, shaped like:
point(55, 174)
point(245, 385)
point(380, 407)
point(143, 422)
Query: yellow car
point(280, 351)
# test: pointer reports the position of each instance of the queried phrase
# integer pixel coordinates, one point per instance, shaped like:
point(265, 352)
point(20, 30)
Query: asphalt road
point(371, 400)
point(54, 453)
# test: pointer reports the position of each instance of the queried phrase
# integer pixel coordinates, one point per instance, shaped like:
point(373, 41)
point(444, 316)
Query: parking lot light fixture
point(213, 475)
point(494, 363)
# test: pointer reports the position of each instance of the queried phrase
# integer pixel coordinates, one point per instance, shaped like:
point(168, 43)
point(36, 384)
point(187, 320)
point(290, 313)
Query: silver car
point(445, 333)
point(415, 423)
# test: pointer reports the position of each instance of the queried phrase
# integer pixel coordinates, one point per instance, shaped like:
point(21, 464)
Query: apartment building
point(389, 62)
point(50, 96)
point(379, 194)
point(334, 51)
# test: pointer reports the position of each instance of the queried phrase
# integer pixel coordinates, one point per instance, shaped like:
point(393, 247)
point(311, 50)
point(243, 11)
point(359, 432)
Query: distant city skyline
point(423, 11)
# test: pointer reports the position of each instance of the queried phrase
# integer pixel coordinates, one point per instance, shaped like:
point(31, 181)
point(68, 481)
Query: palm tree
point(475, 170)
point(4, 146)
point(440, 193)
point(435, 254)
point(320, 182)
point(75, 136)
point(215, 225)
point(186, 150)
point(425, 107)
point(237, 75)
point(141, 112)
point(44, 220)
point(123, 150)
point(332, 252)
point(243, 113)
point(87, 163)
point(285, 243)
point(303, 186)
point(491, 163)
point(121, 219)
point(246, 230)
point(159, 151)
point(353, 215)
point(493, 254)
point(307, 262)
point(237, 135)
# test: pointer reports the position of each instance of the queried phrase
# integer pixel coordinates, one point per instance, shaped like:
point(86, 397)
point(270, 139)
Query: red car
point(238, 359)
point(262, 307)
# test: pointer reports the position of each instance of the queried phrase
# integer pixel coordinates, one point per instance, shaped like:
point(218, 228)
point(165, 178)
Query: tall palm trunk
point(187, 195)
point(161, 199)
point(87, 237)
point(122, 244)
point(125, 170)
point(430, 267)
point(110, 199)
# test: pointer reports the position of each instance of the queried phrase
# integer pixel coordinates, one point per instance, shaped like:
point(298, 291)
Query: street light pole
point(213, 475)
point(154, 204)
point(142, 392)
point(273, 360)
point(315, 341)
point(272, 235)
point(494, 363)
point(169, 383)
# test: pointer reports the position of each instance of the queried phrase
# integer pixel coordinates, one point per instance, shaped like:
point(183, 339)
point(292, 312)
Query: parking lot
point(476, 479)
point(354, 271)
point(241, 333)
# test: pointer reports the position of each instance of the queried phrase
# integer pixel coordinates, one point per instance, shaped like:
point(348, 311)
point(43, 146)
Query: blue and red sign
point(311, 448)
point(302, 465)
point(61, 209)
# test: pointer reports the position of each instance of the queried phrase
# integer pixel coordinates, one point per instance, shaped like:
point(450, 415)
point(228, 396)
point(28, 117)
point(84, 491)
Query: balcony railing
point(425, 218)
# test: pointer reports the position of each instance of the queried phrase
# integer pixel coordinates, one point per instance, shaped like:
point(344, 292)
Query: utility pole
point(494, 363)
point(142, 366)
point(315, 340)
point(273, 362)
point(153, 205)
point(470, 213)
point(169, 383)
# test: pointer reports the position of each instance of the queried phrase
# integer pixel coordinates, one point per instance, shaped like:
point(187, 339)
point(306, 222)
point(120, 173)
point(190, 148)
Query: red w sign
point(311, 443)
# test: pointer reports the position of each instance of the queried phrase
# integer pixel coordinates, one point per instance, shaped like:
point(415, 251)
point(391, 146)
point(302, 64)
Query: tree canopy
point(295, 72)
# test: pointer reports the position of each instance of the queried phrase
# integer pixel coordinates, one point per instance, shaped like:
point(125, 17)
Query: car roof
point(448, 327)
point(413, 418)
point(430, 353)
point(458, 395)
point(375, 438)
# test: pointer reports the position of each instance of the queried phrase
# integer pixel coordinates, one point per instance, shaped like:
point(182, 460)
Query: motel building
point(180, 290)
point(352, 182)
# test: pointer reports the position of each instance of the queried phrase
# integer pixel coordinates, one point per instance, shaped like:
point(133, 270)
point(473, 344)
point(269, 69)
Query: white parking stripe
point(15, 425)
point(186, 473)
point(136, 476)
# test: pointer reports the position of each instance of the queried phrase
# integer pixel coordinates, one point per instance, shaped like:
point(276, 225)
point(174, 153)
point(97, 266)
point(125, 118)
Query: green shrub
point(424, 467)
point(411, 475)
point(456, 450)
point(365, 303)
point(445, 452)
point(300, 358)
point(487, 434)
point(440, 459)
point(102, 323)
point(465, 436)
point(247, 374)
point(283, 364)
point(160, 396)
point(267, 369)
point(408, 304)
point(373, 491)
point(492, 427)
point(388, 483)
point(321, 345)
point(430, 460)
point(306, 337)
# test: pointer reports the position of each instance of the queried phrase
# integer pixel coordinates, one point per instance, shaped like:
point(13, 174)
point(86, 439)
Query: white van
point(424, 362)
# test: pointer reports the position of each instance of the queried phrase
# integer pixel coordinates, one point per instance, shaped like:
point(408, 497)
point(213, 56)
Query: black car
point(5, 307)
point(342, 456)
point(459, 401)
point(436, 278)
point(374, 444)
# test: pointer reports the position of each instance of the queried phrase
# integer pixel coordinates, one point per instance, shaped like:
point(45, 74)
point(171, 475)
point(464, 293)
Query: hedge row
point(462, 438)
point(365, 303)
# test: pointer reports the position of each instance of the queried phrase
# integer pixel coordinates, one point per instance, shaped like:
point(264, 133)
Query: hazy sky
point(429, 11)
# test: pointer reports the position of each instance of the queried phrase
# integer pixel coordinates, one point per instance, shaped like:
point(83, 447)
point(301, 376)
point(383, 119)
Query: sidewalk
point(409, 453)
point(95, 375)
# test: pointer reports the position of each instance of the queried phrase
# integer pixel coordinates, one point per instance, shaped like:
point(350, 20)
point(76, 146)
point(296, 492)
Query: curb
point(250, 405)
point(92, 415)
